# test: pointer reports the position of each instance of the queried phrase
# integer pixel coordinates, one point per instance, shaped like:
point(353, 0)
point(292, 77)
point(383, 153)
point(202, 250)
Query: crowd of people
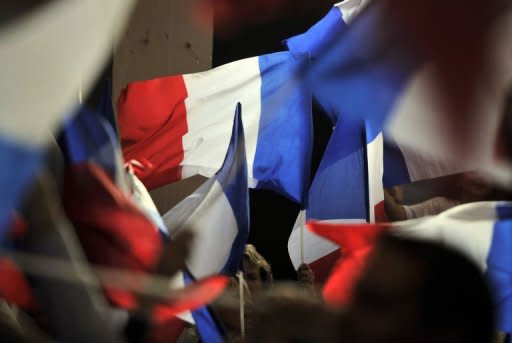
point(84, 260)
point(410, 291)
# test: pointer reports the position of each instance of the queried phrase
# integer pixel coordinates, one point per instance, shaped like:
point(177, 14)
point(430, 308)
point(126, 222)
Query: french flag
point(178, 126)
point(442, 97)
point(69, 39)
point(403, 165)
point(21, 161)
point(88, 137)
point(312, 42)
point(347, 188)
point(482, 231)
point(141, 197)
point(218, 212)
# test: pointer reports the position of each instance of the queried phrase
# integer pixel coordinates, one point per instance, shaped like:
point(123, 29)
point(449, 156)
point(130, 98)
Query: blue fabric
point(286, 128)
point(339, 189)
point(313, 40)
point(363, 71)
point(20, 164)
point(233, 179)
point(206, 325)
point(395, 167)
point(499, 266)
point(86, 136)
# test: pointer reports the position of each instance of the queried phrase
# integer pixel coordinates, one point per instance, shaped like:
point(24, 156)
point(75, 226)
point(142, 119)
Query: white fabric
point(142, 198)
point(375, 158)
point(208, 214)
point(419, 118)
point(351, 8)
point(467, 228)
point(47, 55)
point(315, 247)
point(429, 207)
point(422, 167)
point(214, 127)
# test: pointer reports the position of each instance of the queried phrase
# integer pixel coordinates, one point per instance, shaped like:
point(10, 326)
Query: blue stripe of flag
point(499, 266)
point(233, 179)
point(285, 136)
point(362, 72)
point(206, 325)
point(20, 164)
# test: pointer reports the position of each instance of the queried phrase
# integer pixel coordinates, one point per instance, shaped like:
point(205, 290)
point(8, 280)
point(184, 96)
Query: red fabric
point(192, 297)
point(18, 227)
point(380, 213)
point(166, 332)
point(111, 229)
point(323, 266)
point(114, 233)
point(152, 120)
point(356, 242)
point(14, 287)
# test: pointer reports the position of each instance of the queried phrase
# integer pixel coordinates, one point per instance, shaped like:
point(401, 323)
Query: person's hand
point(393, 198)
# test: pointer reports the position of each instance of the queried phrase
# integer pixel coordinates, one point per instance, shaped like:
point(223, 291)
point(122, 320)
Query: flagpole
point(302, 244)
point(242, 305)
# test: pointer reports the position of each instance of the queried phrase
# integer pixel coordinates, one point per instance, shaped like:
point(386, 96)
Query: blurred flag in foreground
point(178, 126)
point(437, 88)
point(482, 231)
point(313, 41)
point(70, 40)
point(403, 165)
point(218, 212)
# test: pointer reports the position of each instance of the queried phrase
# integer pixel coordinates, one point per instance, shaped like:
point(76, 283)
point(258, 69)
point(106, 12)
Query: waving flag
point(404, 165)
point(178, 126)
point(205, 322)
point(71, 40)
point(312, 42)
point(21, 162)
point(143, 200)
point(482, 231)
point(347, 188)
point(218, 212)
point(391, 68)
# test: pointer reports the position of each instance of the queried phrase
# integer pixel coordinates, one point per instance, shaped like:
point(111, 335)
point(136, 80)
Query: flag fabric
point(482, 231)
point(115, 233)
point(218, 212)
point(71, 41)
point(140, 195)
point(312, 41)
point(403, 165)
point(390, 68)
point(86, 136)
point(206, 324)
point(37, 93)
point(20, 163)
point(347, 188)
point(178, 126)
